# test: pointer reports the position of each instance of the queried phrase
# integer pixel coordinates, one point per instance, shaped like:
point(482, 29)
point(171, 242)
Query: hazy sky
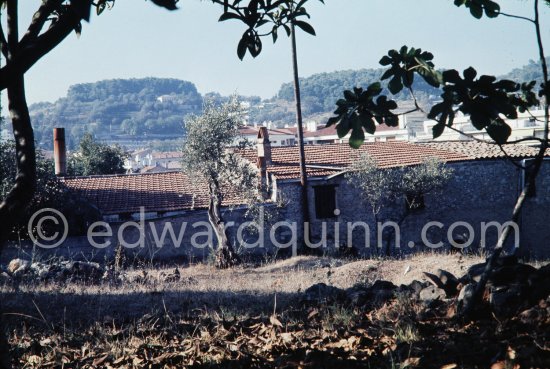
point(138, 39)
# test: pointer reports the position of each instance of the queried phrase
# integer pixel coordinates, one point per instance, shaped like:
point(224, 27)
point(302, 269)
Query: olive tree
point(209, 161)
point(404, 187)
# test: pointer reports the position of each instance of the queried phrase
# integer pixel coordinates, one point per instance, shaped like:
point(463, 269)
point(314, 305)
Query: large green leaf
point(357, 138)
point(306, 27)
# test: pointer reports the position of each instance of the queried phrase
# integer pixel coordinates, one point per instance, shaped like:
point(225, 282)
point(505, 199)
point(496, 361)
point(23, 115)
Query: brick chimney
point(264, 146)
point(264, 158)
point(59, 152)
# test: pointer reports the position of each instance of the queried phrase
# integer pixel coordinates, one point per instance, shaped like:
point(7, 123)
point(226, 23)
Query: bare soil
point(255, 316)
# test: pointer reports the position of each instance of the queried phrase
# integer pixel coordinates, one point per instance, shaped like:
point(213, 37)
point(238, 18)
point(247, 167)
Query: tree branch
point(39, 19)
point(516, 17)
point(13, 28)
point(4, 43)
point(28, 55)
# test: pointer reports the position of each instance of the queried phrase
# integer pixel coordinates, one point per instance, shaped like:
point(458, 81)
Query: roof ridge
point(121, 175)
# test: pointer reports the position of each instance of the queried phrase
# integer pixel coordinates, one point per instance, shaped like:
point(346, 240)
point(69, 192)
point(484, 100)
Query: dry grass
point(242, 317)
point(241, 290)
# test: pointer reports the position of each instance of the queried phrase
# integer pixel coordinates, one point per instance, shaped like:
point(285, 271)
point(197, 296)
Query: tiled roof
point(126, 193)
point(331, 131)
point(174, 191)
point(481, 150)
point(323, 160)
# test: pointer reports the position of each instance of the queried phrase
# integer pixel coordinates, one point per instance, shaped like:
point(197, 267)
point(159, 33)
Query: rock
point(475, 271)
point(321, 292)
point(533, 316)
point(465, 296)
point(431, 294)
point(508, 300)
point(377, 294)
point(382, 291)
point(539, 284)
point(417, 286)
point(383, 285)
point(444, 280)
point(511, 274)
point(18, 266)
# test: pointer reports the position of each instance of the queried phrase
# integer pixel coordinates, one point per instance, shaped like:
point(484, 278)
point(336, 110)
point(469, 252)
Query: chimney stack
point(59, 152)
point(264, 158)
point(264, 146)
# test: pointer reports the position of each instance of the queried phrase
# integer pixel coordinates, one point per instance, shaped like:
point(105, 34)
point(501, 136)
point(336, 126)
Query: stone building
point(467, 212)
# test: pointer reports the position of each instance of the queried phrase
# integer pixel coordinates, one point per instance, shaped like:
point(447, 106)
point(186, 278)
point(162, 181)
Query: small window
point(325, 201)
point(415, 201)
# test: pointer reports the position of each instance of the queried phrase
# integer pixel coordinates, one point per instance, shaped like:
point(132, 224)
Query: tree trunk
point(303, 172)
point(21, 194)
point(226, 257)
point(23, 190)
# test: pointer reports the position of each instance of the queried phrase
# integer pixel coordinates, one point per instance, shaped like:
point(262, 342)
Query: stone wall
point(479, 193)
point(183, 237)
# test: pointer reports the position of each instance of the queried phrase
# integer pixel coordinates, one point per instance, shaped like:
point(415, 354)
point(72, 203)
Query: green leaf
point(343, 127)
point(395, 85)
point(350, 96)
point(438, 129)
point(387, 74)
point(392, 120)
point(499, 131)
point(241, 47)
point(470, 74)
point(78, 29)
point(357, 138)
point(228, 15)
point(386, 60)
point(492, 9)
point(306, 27)
point(100, 7)
point(451, 76)
point(367, 123)
point(331, 121)
point(287, 29)
point(374, 88)
point(476, 10)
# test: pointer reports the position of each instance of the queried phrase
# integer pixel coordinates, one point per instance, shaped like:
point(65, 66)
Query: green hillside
point(136, 112)
point(120, 108)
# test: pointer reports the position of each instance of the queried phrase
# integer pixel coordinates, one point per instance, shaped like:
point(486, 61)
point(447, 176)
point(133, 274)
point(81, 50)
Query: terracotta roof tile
point(481, 150)
point(174, 191)
point(331, 131)
point(156, 192)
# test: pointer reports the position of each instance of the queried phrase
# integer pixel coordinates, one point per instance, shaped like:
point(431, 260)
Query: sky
point(137, 39)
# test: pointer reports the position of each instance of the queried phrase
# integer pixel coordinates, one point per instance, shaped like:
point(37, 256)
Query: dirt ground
point(255, 317)
point(245, 289)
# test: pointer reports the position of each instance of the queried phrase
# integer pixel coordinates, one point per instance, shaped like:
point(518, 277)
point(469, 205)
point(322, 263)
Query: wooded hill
point(148, 109)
